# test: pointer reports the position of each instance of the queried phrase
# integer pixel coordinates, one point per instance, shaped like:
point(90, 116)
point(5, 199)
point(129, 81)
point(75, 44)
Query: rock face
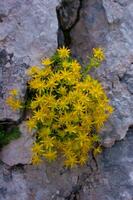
point(12, 185)
point(108, 24)
point(28, 31)
point(18, 151)
point(116, 174)
point(110, 179)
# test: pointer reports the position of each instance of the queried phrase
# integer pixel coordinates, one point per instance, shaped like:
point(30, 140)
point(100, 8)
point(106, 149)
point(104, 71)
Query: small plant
point(13, 100)
point(8, 135)
point(68, 108)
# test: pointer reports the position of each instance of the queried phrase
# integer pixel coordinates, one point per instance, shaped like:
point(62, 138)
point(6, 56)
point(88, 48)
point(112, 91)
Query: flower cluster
point(98, 54)
point(13, 100)
point(68, 108)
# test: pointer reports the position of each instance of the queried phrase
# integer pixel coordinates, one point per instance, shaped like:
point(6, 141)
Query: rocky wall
point(28, 32)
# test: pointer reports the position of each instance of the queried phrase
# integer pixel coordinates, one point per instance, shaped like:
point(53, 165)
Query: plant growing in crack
point(7, 135)
point(68, 108)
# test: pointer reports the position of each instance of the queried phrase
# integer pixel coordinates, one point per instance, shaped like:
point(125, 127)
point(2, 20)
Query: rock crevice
point(68, 15)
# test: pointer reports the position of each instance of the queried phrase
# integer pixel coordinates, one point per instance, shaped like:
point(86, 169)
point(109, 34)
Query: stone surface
point(18, 151)
point(112, 179)
point(115, 173)
point(12, 185)
point(12, 75)
point(68, 13)
point(114, 11)
point(28, 31)
point(108, 24)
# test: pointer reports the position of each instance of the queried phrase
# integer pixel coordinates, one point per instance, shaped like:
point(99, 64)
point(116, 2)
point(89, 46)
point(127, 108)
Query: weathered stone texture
point(116, 173)
point(112, 179)
point(109, 24)
point(12, 185)
point(19, 151)
point(28, 31)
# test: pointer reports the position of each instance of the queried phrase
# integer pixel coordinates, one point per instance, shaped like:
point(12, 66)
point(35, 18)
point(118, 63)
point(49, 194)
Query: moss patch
point(7, 135)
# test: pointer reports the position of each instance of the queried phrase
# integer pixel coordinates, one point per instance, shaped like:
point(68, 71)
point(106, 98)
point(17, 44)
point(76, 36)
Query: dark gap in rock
point(3, 57)
point(10, 58)
point(7, 122)
point(64, 170)
point(27, 97)
point(127, 78)
point(9, 130)
point(123, 4)
point(120, 78)
point(74, 195)
point(2, 16)
point(18, 167)
point(130, 129)
point(65, 22)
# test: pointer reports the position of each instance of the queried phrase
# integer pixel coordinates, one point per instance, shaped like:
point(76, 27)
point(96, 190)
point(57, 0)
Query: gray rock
point(114, 11)
point(115, 173)
point(12, 77)
point(68, 13)
point(108, 24)
point(28, 32)
point(29, 28)
point(18, 151)
point(111, 180)
point(15, 188)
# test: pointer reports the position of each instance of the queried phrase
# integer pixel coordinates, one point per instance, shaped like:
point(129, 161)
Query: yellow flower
point(43, 73)
point(50, 155)
point(18, 104)
point(109, 109)
point(79, 108)
point(38, 102)
point(15, 104)
point(36, 160)
point(83, 138)
point(71, 161)
point(51, 83)
point(14, 92)
point(39, 115)
point(99, 118)
point(97, 150)
point(83, 158)
point(98, 54)
point(65, 64)
point(37, 84)
point(48, 142)
point(66, 75)
point(33, 70)
point(44, 132)
point(75, 66)
point(63, 52)
point(50, 101)
point(70, 128)
point(62, 90)
point(46, 61)
point(63, 105)
point(68, 107)
point(31, 123)
point(37, 148)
